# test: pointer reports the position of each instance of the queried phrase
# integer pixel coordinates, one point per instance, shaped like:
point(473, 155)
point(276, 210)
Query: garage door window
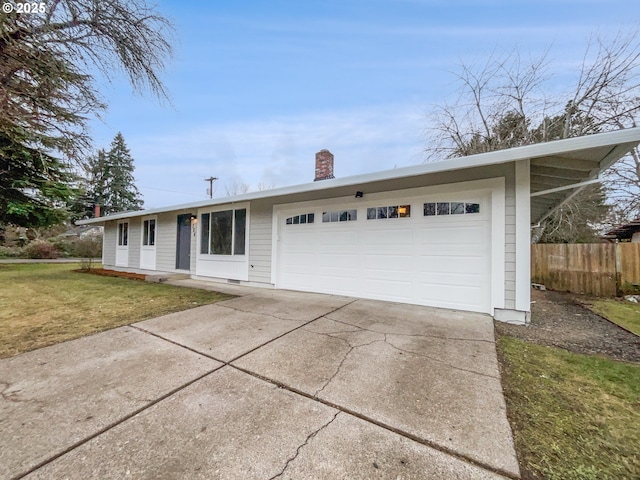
point(398, 211)
point(224, 232)
point(450, 208)
point(340, 216)
point(301, 219)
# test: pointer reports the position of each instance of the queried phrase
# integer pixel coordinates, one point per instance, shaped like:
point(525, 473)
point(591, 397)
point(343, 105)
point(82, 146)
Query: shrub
point(64, 245)
point(630, 289)
point(88, 248)
point(41, 249)
point(10, 252)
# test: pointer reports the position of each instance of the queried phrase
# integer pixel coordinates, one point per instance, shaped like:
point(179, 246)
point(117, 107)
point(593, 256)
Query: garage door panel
point(471, 235)
point(301, 263)
point(337, 261)
point(450, 280)
point(442, 262)
point(388, 262)
point(393, 290)
point(333, 236)
point(300, 241)
point(377, 237)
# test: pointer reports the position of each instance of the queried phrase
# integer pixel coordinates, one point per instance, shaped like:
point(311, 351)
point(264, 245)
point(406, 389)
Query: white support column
point(523, 236)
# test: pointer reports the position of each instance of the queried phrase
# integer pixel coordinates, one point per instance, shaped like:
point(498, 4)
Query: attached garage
point(453, 234)
point(420, 247)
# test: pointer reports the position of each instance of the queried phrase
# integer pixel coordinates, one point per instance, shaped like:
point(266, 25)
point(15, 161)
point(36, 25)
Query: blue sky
point(257, 88)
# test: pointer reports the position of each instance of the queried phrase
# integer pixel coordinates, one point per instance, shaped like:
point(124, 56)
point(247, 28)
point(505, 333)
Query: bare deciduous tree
point(503, 104)
point(264, 186)
point(236, 188)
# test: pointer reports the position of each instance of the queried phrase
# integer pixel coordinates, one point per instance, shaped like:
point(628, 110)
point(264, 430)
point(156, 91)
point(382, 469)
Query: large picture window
point(223, 232)
point(149, 232)
point(123, 234)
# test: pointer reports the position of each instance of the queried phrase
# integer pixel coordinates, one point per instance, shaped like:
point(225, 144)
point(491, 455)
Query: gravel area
point(560, 320)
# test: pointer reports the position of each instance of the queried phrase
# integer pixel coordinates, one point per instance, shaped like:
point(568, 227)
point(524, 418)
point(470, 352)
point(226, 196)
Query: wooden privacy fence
point(604, 269)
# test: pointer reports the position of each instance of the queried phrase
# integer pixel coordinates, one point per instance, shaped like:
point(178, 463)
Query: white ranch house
point(453, 234)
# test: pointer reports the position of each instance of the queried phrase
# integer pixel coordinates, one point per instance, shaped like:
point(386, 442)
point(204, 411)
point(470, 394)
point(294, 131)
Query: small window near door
point(149, 232)
point(123, 234)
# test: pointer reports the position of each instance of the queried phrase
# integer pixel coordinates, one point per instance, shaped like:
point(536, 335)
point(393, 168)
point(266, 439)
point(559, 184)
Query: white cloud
point(276, 151)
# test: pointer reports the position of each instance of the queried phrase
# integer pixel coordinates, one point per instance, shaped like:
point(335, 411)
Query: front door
point(183, 244)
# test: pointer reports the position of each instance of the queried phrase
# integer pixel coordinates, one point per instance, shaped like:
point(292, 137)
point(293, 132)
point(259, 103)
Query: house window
point(205, 218)
point(450, 208)
point(398, 211)
point(239, 231)
point(123, 234)
point(223, 232)
point(300, 219)
point(149, 232)
point(340, 216)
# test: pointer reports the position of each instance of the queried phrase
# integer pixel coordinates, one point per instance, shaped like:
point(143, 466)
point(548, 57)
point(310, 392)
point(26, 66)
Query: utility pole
point(210, 180)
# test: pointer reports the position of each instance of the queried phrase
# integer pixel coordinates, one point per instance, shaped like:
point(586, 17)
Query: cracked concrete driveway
point(272, 384)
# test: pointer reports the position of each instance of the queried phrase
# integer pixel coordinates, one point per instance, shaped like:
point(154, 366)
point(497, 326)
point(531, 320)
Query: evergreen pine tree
point(111, 181)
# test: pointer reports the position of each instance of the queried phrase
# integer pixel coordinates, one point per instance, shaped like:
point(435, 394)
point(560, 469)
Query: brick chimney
point(324, 165)
point(96, 210)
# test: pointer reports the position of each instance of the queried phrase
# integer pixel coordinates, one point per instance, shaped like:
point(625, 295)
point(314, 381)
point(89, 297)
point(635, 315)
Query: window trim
point(210, 212)
point(146, 236)
point(123, 234)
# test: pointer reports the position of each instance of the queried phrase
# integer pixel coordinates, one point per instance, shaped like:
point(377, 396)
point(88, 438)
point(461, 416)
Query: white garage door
point(437, 254)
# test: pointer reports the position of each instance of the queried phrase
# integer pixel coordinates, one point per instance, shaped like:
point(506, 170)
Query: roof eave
point(558, 147)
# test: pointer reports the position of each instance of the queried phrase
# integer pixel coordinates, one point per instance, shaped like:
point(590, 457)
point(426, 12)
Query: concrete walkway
point(272, 384)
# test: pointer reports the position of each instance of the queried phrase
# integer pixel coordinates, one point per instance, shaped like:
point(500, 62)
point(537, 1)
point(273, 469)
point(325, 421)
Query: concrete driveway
point(272, 384)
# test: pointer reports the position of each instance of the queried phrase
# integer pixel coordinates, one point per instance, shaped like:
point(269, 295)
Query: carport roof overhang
point(558, 170)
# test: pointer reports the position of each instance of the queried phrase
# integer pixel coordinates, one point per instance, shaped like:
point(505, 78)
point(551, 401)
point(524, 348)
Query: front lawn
point(573, 416)
point(624, 313)
point(44, 304)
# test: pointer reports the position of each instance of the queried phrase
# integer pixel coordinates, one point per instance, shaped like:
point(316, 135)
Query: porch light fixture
point(359, 194)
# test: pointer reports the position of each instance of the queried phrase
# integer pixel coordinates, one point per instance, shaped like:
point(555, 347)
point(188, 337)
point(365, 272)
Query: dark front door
point(183, 245)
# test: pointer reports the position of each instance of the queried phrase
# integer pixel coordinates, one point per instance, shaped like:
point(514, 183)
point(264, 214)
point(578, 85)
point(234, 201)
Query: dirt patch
point(113, 273)
point(559, 319)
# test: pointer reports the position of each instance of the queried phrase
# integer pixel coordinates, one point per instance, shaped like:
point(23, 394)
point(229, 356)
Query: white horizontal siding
point(510, 238)
point(109, 241)
point(260, 238)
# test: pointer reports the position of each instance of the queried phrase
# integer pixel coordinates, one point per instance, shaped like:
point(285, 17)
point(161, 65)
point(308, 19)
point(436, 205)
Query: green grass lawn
point(573, 416)
point(44, 304)
point(624, 313)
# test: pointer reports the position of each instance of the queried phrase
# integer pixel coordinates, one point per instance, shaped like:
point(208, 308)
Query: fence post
point(618, 269)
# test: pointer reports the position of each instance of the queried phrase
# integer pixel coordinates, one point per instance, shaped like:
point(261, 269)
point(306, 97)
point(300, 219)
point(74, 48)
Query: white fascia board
point(558, 147)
